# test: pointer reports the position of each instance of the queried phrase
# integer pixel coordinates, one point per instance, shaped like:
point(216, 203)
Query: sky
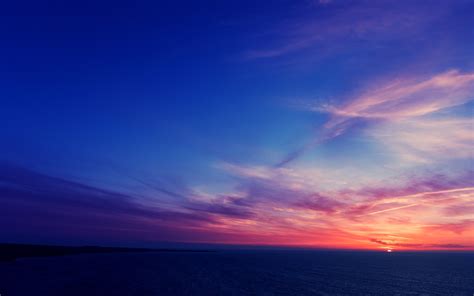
point(320, 124)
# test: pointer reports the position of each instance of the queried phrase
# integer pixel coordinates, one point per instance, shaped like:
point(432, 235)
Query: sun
point(389, 251)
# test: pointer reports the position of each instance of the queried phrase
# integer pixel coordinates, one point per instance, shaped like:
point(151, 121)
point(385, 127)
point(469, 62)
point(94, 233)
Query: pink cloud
point(267, 211)
point(398, 112)
point(455, 227)
point(426, 140)
point(461, 209)
point(405, 98)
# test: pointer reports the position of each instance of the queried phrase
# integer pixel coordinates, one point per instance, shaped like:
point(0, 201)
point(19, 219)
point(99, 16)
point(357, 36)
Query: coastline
point(13, 251)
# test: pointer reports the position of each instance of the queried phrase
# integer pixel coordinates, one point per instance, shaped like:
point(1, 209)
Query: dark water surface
point(242, 273)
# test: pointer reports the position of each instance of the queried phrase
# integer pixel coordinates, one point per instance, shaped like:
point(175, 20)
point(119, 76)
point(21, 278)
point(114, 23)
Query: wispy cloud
point(363, 21)
point(46, 204)
point(365, 211)
point(423, 246)
point(399, 106)
point(264, 210)
point(406, 98)
point(427, 140)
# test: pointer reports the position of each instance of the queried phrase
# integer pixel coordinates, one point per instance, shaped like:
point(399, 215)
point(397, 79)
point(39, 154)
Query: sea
point(242, 272)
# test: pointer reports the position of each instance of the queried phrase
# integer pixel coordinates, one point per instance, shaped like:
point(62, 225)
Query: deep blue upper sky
point(162, 85)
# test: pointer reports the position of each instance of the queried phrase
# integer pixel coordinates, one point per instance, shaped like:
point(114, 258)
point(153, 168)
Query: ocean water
point(242, 273)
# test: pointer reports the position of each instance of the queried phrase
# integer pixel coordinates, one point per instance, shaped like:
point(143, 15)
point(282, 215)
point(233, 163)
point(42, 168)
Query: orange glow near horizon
point(429, 220)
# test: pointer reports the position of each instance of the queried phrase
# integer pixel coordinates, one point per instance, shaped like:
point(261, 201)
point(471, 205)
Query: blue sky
point(236, 107)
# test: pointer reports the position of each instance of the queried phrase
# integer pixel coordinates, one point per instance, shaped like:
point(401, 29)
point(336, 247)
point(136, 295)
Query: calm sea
point(242, 273)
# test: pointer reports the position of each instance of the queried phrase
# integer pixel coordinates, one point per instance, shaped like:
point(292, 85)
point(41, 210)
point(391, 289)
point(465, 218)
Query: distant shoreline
point(11, 251)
